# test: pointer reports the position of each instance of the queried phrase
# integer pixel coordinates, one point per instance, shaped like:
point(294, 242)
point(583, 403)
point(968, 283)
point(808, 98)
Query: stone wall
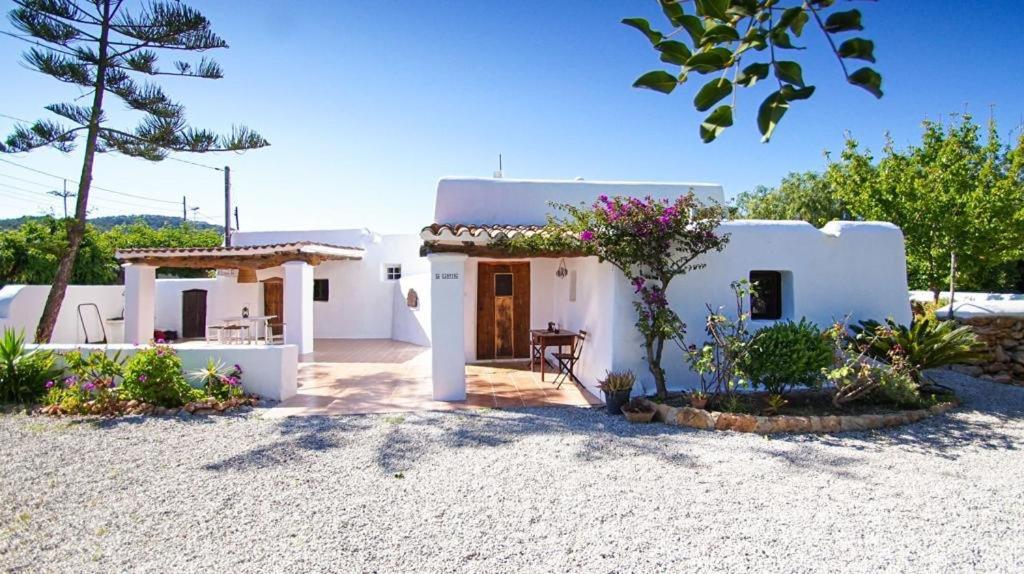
point(1003, 360)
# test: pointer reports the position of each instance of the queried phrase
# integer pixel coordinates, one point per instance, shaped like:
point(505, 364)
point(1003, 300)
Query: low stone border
point(714, 420)
point(208, 406)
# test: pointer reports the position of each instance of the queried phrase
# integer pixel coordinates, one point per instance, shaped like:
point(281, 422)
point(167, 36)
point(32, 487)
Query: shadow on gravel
point(590, 434)
point(299, 436)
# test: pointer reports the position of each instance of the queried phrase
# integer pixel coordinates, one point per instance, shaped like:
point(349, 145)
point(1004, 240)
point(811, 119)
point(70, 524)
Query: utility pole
point(195, 212)
point(227, 206)
point(184, 210)
point(237, 226)
point(63, 195)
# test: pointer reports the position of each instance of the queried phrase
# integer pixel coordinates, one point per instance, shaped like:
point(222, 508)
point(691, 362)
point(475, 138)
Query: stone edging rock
point(714, 420)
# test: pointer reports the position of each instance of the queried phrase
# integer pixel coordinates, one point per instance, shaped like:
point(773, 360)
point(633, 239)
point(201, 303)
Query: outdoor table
point(543, 339)
point(249, 321)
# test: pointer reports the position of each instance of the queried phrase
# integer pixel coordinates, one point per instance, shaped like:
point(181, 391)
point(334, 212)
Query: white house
point(446, 288)
point(845, 269)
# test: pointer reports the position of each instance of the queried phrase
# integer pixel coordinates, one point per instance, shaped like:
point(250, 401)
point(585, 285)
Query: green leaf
point(658, 80)
point(716, 123)
point(781, 40)
point(673, 11)
point(711, 94)
point(858, 48)
point(789, 72)
point(673, 52)
point(694, 26)
point(710, 61)
point(644, 26)
point(787, 18)
point(751, 74)
point(797, 27)
point(868, 79)
point(768, 115)
point(791, 94)
point(712, 8)
point(720, 34)
point(843, 21)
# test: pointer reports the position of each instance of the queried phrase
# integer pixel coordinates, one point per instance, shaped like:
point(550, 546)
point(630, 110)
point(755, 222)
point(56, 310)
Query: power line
point(48, 174)
point(25, 180)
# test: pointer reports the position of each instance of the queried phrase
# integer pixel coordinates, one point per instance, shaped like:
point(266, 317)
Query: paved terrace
point(364, 376)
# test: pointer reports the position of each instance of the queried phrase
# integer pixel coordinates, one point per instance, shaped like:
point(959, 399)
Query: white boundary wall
point(21, 306)
point(268, 371)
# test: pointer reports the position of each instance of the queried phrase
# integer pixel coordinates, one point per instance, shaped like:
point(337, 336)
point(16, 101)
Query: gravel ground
point(527, 490)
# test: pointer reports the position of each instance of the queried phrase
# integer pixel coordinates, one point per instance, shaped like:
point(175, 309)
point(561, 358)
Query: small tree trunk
point(76, 228)
point(952, 282)
point(654, 365)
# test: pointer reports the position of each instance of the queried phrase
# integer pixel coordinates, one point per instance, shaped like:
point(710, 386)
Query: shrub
point(928, 343)
point(91, 382)
point(787, 354)
point(219, 381)
point(895, 388)
point(153, 375)
point(23, 372)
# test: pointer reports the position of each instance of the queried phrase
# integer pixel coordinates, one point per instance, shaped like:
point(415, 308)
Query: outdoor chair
point(275, 333)
point(567, 361)
point(214, 332)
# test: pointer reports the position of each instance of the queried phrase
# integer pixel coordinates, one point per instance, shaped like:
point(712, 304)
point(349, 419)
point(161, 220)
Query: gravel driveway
point(545, 490)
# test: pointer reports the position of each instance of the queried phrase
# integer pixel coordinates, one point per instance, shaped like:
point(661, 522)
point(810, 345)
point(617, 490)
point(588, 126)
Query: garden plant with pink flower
point(652, 241)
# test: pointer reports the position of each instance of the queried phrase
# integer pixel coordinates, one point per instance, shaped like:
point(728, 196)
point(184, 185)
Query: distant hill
point(106, 222)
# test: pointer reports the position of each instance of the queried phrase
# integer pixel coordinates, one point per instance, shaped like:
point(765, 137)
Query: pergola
point(297, 260)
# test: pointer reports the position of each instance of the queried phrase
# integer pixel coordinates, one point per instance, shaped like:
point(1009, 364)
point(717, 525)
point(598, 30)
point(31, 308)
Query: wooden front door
point(503, 311)
point(193, 313)
point(273, 300)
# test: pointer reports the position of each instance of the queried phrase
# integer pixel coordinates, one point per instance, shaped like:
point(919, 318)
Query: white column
point(298, 305)
point(139, 303)
point(448, 366)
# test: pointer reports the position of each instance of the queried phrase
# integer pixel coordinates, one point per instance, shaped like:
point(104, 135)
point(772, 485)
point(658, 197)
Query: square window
point(321, 290)
point(502, 284)
point(766, 303)
point(392, 272)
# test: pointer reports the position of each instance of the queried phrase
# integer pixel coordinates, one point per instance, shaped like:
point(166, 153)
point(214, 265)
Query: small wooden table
point(542, 338)
point(250, 322)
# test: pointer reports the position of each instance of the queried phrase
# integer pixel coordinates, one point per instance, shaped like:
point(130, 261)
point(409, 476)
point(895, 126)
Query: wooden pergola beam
point(494, 253)
point(230, 261)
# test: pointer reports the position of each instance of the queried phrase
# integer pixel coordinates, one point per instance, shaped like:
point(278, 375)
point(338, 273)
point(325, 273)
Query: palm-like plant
point(926, 344)
point(23, 372)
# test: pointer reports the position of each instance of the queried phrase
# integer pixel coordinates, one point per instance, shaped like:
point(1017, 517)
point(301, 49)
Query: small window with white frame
point(392, 272)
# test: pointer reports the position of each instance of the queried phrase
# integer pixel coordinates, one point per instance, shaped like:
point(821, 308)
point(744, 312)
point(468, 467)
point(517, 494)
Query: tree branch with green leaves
point(714, 36)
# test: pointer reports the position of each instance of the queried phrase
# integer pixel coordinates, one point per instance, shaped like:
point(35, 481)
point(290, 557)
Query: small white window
point(392, 272)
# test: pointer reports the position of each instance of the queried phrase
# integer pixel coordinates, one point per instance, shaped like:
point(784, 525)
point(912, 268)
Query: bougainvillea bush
point(652, 241)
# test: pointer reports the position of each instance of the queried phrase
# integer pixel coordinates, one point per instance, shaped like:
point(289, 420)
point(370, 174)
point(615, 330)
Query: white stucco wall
point(362, 302)
point(21, 306)
point(225, 297)
point(268, 371)
point(411, 324)
point(850, 269)
point(488, 201)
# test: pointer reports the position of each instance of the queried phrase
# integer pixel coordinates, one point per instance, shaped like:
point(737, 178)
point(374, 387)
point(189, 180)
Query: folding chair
point(567, 361)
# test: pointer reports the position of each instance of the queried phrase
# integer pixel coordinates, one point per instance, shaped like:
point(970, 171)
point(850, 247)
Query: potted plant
point(638, 410)
point(698, 399)
point(617, 387)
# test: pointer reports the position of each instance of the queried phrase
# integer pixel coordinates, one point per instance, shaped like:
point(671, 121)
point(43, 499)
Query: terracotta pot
point(698, 402)
point(638, 416)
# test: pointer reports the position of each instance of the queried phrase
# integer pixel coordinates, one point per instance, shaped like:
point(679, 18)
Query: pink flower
point(49, 384)
point(587, 235)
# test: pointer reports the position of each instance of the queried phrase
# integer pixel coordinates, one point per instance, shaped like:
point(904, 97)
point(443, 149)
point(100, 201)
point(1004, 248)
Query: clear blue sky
point(367, 104)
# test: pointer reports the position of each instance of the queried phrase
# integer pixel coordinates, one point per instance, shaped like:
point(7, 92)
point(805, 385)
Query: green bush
point(153, 375)
point(787, 354)
point(23, 373)
point(895, 388)
point(218, 380)
point(928, 343)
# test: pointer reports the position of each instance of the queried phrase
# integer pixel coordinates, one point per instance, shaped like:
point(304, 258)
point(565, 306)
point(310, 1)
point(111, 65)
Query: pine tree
point(106, 48)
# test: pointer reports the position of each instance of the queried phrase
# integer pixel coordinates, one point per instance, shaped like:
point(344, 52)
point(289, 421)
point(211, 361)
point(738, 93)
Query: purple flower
point(142, 378)
point(232, 381)
point(49, 384)
point(89, 386)
point(587, 235)
point(238, 368)
point(602, 198)
point(638, 284)
point(70, 381)
point(160, 341)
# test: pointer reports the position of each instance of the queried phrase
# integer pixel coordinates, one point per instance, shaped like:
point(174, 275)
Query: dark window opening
point(502, 284)
point(766, 302)
point(321, 290)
